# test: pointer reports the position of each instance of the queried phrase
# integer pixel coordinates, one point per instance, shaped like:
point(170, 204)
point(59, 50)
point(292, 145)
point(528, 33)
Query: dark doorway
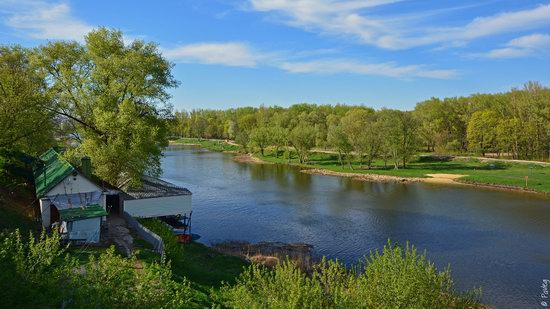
point(113, 204)
point(54, 214)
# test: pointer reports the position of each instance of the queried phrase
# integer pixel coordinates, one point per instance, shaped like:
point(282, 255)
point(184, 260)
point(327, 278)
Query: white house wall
point(74, 184)
point(157, 207)
point(70, 185)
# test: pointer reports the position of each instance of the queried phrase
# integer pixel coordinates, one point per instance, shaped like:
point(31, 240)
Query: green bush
point(395, 278)
point(172, 248)
point(39, 273)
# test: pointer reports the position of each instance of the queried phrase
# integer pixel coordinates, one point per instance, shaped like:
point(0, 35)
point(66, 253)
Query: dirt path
point(119, 234)
point(485, 159)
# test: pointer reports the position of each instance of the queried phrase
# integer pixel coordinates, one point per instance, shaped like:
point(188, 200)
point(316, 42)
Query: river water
point(496, 240)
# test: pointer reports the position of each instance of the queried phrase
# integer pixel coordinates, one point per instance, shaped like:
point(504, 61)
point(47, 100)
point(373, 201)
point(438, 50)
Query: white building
point(70, 199)
point(77, 203)
point(157, 198)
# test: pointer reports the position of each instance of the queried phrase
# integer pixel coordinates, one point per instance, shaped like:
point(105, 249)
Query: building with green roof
point(71, 198)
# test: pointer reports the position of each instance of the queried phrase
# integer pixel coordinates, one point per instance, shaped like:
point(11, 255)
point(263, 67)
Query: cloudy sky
point(381, 53)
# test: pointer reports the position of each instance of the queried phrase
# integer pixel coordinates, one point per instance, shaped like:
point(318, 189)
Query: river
point(496, 240)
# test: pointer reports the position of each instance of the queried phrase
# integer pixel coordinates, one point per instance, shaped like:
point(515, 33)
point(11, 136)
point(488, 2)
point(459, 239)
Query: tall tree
point(337, 139)
point(25, 122)
point(482, 131)
point(279, 138)
point(302, 138)
point(402, 135)
point(115, 95)
point(261, 137)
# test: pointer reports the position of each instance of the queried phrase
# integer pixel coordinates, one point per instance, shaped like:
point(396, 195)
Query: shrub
point(39, 273)
point(172, 248)
point(396, 278)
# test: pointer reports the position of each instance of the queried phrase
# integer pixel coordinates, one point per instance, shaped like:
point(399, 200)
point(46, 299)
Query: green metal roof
point(51, 173)
point(81, 213)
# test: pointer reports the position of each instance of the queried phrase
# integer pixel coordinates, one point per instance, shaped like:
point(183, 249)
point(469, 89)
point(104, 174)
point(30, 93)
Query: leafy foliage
point(38, 273)
point(396, 278)
point(113, 98)
point(26, 124)
point(172, 249)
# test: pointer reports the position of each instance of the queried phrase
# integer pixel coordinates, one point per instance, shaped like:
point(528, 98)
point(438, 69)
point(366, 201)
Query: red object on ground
point(184, 238)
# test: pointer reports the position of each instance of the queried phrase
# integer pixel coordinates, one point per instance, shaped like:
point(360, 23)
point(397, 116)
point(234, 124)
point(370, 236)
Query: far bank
point(531, 177)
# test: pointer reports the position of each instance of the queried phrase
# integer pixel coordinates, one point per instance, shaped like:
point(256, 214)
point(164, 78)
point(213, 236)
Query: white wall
point(85, 230)
point(156, 207)
point(74, 184)
point(70, 185)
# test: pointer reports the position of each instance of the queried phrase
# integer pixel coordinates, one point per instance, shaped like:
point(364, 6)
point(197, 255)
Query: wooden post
point(526, 180)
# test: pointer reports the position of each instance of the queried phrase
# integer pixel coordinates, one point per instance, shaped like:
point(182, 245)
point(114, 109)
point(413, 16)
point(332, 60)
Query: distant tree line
point(515, 124)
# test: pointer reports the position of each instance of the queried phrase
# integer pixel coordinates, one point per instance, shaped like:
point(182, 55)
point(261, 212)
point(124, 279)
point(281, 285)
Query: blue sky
point(380, 53)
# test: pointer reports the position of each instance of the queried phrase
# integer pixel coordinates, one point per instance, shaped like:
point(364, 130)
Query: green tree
point(361, 129)
point(261, 137)
point(115, 95)
point(482, 131)
point(401, 133)
point(337, 139)
point(26, 124)
point(302, 139)
point(279, 138)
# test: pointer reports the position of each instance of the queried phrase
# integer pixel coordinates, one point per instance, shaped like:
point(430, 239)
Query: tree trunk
point(349, 162)
point(289, 154)
point(340, 158)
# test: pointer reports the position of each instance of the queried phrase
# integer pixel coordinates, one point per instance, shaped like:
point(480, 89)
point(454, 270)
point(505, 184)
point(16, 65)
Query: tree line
point(514, 124)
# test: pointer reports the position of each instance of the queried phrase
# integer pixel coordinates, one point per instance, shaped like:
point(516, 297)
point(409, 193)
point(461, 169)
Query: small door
point(54, 214)
point(113, 204)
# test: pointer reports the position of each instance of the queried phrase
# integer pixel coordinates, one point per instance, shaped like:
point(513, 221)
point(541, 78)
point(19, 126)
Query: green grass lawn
point(496, 173)
point(207, 267)
point(213, 145)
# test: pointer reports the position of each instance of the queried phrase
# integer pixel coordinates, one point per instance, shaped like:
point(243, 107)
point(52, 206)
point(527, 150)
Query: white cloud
point(41, 20)
point(229, 54)
point(388, 69)
point(241, 55)
point(351, 18)
point(524, 46)
point(533, 41)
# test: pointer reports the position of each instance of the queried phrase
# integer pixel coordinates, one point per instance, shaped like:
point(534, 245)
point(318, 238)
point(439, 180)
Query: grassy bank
point(205, 269)
point(475, 171)
point(213, 145)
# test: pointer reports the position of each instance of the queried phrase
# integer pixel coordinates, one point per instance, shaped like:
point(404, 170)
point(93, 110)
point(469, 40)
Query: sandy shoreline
point(364, 177)
point(248, 158)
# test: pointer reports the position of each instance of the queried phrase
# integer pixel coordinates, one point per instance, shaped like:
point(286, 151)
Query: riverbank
point(522, 176)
